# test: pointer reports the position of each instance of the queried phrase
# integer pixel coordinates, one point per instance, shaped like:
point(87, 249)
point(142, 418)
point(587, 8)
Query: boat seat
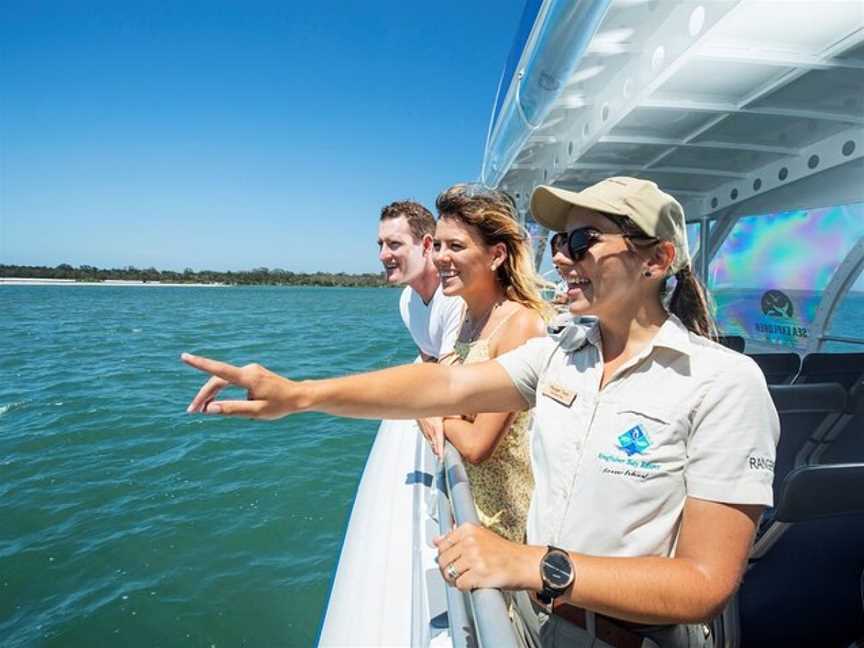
point(811, 541)
point(807, 415)
point(821, 490)
point(734, 342)
point(844, 368)
point(845, 441)
point(779, 368)
point(806, 590)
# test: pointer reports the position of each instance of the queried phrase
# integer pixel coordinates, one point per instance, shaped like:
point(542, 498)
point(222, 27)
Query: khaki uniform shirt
point(684, 418)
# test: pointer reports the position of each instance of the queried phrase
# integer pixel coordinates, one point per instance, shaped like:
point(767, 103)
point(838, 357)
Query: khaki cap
point(656, 213)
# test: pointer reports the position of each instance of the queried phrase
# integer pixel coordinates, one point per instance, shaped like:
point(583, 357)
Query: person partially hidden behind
point(405, 232)
point(652, 446)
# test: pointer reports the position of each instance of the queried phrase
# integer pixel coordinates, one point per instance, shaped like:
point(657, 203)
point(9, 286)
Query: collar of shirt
point(576, 333)
point(672, 335)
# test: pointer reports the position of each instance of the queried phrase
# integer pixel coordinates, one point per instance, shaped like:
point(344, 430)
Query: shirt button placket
point(572, 455)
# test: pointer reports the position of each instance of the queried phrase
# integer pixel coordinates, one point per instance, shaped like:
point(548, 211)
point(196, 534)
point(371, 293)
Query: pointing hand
point(269, 396)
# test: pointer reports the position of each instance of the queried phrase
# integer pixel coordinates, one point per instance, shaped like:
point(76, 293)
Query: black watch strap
point(546, 596)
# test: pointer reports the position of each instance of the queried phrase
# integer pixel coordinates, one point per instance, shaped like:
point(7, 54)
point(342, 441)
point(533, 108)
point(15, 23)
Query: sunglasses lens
point(578, 243)
point(556, 242)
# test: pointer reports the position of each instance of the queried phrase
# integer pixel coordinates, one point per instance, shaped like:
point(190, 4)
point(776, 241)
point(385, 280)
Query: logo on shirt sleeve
point(634, 441)
point(760, 463)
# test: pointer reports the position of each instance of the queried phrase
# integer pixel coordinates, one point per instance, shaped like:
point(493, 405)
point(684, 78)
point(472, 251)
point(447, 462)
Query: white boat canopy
point(738, 108)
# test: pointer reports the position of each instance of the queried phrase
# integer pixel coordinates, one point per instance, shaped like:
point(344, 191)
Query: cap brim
point(550, 206)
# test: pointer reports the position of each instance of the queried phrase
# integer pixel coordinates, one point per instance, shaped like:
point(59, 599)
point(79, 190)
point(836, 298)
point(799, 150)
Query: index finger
point(232, 374)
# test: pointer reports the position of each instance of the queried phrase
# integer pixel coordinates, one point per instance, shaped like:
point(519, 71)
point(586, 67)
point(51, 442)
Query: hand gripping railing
point(488, 623)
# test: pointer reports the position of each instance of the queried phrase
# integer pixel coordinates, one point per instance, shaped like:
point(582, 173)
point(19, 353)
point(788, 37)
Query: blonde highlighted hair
point(493, 214)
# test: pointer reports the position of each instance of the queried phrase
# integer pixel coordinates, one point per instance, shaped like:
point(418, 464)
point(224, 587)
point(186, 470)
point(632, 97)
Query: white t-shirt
point(684, 418)
point(434, 326)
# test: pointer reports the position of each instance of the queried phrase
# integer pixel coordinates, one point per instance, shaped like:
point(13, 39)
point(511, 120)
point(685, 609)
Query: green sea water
point(125, 521)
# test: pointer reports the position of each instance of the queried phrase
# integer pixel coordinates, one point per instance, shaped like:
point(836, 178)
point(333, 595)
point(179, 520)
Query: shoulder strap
point(499, 325)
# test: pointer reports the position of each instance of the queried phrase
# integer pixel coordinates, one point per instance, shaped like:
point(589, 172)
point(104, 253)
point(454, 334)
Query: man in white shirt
point(405, 233)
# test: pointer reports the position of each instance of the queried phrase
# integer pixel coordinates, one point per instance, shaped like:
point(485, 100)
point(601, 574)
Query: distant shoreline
point(35, 281)
point(86, 275)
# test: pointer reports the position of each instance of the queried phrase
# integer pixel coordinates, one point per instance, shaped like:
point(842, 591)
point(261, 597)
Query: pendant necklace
point(477, 328)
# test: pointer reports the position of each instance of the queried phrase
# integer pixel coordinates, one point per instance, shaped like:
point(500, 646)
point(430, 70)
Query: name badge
point(560, 394)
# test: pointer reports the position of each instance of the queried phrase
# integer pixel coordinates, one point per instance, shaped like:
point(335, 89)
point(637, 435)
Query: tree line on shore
point(254, 277)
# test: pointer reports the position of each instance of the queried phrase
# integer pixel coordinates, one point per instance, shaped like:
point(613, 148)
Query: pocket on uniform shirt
point(650, 414)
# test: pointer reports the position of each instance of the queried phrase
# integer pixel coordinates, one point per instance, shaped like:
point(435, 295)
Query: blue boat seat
point(845, 442)
point(808, 413)
point(844, 368)
point(819, 491)
point(803, 586)
point(806, 591)
point(779, 368)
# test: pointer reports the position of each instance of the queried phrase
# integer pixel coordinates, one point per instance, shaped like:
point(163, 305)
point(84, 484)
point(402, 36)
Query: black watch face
point(557, 569)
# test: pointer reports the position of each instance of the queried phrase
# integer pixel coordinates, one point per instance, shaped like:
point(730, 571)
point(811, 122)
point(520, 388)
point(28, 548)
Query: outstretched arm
point(406, 392)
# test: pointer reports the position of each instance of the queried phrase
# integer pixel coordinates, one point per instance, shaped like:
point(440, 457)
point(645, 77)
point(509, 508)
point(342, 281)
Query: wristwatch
point(556, 572)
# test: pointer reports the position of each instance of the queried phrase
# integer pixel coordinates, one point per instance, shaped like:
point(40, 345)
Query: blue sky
point(229, 135)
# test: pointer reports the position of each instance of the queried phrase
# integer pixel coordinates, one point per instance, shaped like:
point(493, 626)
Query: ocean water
point(125, 521)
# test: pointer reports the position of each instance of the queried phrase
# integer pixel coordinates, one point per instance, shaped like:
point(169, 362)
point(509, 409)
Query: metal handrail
point(461, 624)
point(489, 621)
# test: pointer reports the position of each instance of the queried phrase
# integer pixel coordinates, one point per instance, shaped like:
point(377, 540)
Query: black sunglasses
point(580, 240)
point(577, 242)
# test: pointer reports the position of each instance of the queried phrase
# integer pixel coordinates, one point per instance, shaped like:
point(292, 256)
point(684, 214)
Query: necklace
point(476, 327)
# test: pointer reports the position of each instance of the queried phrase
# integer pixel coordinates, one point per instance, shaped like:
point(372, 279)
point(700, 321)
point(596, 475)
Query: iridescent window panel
point(770, 273)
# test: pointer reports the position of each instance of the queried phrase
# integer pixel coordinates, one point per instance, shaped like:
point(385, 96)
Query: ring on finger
point(452, 572)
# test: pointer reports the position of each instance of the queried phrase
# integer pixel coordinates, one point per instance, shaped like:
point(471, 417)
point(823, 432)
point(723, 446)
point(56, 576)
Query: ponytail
point(689, 300)
point(689, 303)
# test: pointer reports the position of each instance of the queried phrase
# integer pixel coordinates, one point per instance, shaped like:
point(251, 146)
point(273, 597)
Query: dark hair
point(493, 214)
point(689, 303)
point(420, 220)
point(689, 300)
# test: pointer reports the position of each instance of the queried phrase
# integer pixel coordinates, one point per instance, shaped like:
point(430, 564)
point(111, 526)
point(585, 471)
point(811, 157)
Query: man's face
point(402, 256)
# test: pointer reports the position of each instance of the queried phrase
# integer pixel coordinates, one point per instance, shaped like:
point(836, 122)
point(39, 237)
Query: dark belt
point(614, 632)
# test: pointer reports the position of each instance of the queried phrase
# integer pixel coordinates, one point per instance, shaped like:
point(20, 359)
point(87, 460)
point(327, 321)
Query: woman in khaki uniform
point(652, 449)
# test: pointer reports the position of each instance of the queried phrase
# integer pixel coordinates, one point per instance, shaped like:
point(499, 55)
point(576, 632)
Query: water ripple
point(134, 524)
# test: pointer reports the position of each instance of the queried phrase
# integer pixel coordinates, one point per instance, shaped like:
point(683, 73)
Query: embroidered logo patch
point(634, 441)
